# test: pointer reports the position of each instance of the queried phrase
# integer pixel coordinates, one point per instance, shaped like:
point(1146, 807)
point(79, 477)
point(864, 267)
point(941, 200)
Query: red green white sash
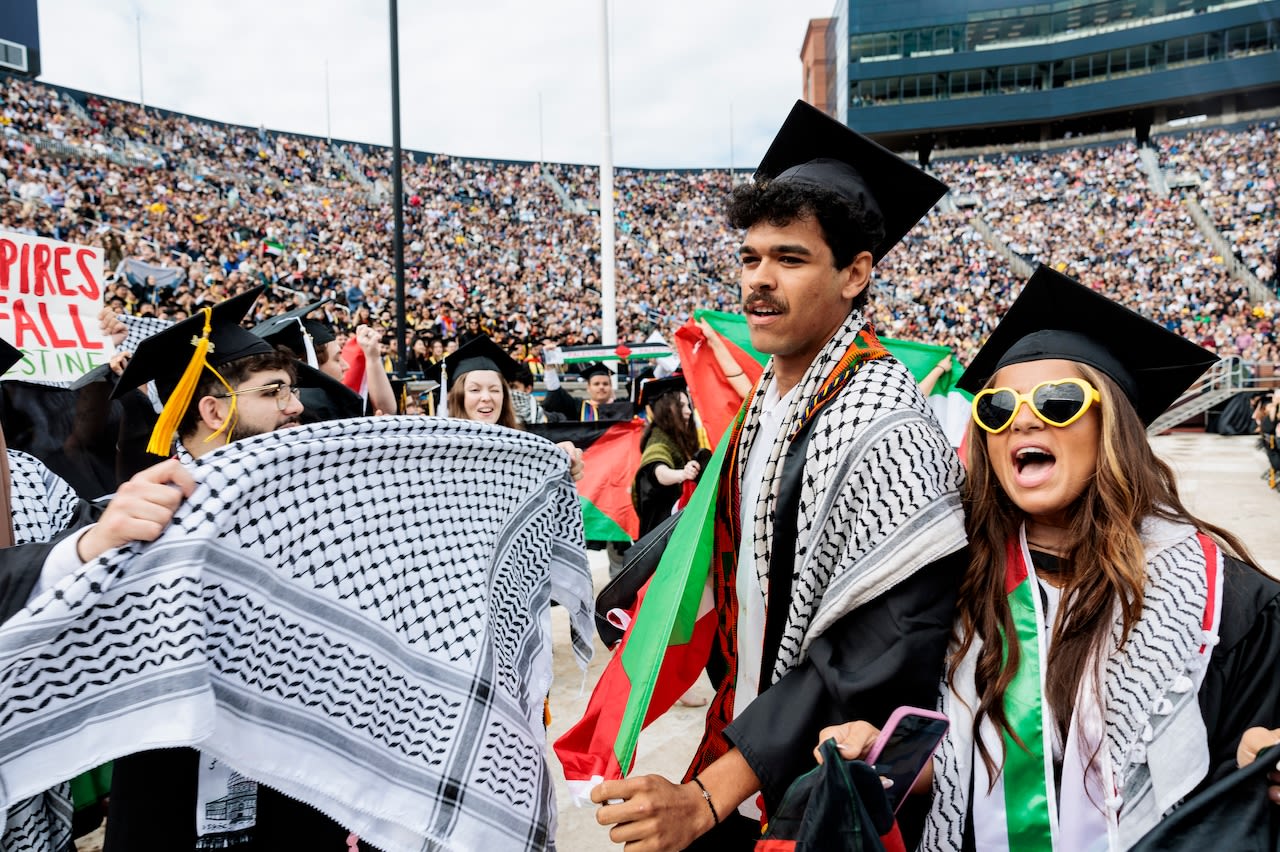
point(1022, 809)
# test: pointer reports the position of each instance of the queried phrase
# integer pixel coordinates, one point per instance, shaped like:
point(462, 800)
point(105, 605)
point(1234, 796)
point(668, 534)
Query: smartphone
point(904, 748)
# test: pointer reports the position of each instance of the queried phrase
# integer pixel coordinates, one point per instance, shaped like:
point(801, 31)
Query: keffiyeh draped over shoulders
point(353, 612)
point(879, 496)
point(41, 505)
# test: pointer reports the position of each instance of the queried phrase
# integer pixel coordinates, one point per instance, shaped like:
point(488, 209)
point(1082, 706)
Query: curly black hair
point(849, 227)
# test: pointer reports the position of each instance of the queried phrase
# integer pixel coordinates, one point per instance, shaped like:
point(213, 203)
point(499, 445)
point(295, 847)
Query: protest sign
point(50, 296)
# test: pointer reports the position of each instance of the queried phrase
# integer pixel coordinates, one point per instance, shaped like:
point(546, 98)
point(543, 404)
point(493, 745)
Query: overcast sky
point(470, 72)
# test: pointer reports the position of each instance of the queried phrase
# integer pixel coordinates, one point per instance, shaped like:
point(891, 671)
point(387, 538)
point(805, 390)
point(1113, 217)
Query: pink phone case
point(898, 793)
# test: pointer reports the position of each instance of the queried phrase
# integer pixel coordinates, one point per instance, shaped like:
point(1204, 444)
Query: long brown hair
point(1131, 483)
point(458, 408)
point(667, 418)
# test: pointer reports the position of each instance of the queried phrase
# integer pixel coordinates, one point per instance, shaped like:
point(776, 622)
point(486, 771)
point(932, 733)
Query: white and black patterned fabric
point(41, 505)
point(354, 613)
point(1156, 746)
point(140, 328)
point(880, 496)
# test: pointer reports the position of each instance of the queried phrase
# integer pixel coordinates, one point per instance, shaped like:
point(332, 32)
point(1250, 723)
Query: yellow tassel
point(161, 443)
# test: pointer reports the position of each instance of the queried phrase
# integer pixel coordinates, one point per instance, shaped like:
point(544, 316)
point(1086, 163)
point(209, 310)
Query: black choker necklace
point(1047, 562)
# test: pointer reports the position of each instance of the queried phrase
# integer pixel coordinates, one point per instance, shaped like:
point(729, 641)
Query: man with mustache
point(839, 535)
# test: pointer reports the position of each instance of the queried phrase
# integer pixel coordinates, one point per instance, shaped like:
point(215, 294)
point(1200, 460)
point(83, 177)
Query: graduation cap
point(479, 354)
point(9, 355)
point(295, 331)
point(1057, 317)
point(813, 149)
point(176, 357)
point(651, 390)
point(595, 368)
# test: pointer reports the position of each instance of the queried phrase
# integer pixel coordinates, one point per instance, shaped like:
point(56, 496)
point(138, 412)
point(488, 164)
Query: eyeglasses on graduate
point(1060, 402)
point(282, 392)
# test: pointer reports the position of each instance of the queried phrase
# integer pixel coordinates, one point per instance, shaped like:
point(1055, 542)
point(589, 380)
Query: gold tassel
point(161, 443)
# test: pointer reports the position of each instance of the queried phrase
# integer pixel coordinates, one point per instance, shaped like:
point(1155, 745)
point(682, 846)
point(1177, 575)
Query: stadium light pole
point(608, 278)
point(328, 115)
point(137, 25)
point(397, 189)
point(732, 182)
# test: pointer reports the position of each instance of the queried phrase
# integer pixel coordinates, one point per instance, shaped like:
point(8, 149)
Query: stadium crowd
point(197, 210)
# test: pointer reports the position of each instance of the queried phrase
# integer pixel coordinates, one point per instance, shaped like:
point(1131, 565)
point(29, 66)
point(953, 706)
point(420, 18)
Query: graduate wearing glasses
point(1112, 652)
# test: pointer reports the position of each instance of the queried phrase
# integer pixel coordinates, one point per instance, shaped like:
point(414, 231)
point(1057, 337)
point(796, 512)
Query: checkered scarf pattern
point(879, 500)
point(140, 328)
point(1156, 747)
point(353, 612)
point(42, 506)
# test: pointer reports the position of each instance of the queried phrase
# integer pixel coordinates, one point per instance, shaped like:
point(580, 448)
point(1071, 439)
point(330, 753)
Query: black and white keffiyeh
point(879, 499)
point(354, 612)
point(1155, 748)
point(41, 505)
point(140, 328)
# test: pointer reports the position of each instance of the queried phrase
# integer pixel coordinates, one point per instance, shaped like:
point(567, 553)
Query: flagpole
point(137, 22)
point(608, 281)
point(328, 123)
point(397, 190)
point(731, 180)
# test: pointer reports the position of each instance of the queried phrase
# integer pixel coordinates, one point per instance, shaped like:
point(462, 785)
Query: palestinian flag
point(272, 247)
point(661, 654)
point(649, 350)
point(712, 394)
point(715, 400)
point(611, 456)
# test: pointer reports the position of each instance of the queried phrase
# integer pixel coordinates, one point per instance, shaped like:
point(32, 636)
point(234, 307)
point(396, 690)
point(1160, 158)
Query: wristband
point(707, 797)
point(733, 375)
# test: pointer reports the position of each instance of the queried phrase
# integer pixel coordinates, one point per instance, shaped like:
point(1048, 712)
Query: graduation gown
point(21, 564)
point(1241, 690)
point(560, 401)
point(887, 654)
point(845, 481)
point(654, 501)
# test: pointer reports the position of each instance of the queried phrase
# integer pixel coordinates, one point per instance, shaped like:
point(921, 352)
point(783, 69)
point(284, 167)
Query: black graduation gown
point(153, 806)
point(654, 501)
point(560, 401)
point(883, 655)
point(20, 565)
point(1241, 690)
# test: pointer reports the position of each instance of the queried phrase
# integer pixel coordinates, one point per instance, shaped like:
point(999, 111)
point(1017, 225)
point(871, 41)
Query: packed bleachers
point(517, 243)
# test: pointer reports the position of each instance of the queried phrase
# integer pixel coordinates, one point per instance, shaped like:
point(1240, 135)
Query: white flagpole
point(137, 23)
point(608, 279)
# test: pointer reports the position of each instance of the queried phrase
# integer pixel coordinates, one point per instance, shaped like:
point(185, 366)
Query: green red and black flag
point(717, 403)
point(664, 649)
point(715, 400)
point(611, 457)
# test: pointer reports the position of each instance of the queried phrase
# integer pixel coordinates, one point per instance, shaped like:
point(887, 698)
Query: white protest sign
point(50, 296)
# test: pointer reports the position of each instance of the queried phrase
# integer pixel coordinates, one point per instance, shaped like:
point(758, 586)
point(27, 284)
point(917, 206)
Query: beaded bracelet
point(707, 796)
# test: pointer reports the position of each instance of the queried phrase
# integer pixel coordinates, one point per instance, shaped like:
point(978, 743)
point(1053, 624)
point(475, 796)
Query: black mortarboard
point(9, 355)
point(176, 357)
point(1057, 317)
point(595, 368)
point(292, 328)
point(163, 357)
point(652, 389)
point(478, 354)
point(324, 397)
point(814, 149)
